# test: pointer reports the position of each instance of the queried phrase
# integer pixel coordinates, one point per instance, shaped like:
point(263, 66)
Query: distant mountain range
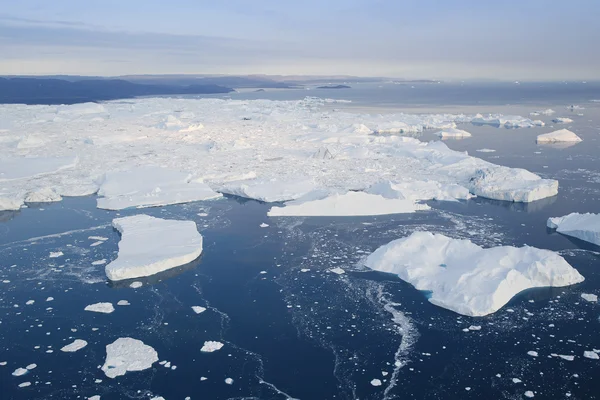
point(59, 91)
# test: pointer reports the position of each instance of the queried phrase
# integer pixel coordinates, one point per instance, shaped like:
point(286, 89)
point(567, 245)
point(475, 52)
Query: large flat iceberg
point(581, 226)
point(151, 245)
point(150, 187)
point(347, 204)
point(561, 135)
point(126, 355)
point(466, 278)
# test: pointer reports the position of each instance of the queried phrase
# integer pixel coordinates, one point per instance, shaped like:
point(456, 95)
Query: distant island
point(334, 87)
point(59, 91)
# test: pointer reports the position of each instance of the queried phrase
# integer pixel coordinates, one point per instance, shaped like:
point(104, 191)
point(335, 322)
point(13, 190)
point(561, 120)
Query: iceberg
point(29, 167)
point(269, 190)
point(562, 120)
point(420, 190)
point(211, 346)
point(10, 203)
point(465, 278)
point(105, 308)
point(348, 204)
point(591, 298)
point(151, 245)
point(581, 226)
point(453, 133)
point(44, 195)
point(77, 344)
point(150, 187)
point(127, 354)
point(506, 121)
point(561, 135)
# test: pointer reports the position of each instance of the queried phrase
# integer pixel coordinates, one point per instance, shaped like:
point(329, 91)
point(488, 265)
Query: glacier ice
point(128, 354)
point(151, 245)
point(561, 135)
point(453, 133)
point(269, 190)
point(105, 308)
point(581, 226)
point(77, 344)
point(466, 278)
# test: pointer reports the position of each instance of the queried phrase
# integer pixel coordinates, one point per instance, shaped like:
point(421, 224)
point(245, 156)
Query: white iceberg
point(150, 187)
point(77, 344)
point(466, 278)
point(10, 203)
point(211, 346)
point(506, 121)
point(419, 190)
point(269, 190)
point(151, 245)
point(562, 120)
point(105, 308)
point(453, 133)
point(581, 226)
point(127, 354)
point(44, 195)
point(348, 204)
point(592, 298)
point(561, 135)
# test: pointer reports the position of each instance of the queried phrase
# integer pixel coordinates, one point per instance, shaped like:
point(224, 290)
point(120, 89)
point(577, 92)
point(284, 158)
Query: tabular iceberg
point(581, 226)
point(561, 135)
point(466, 278)
point(151, 245)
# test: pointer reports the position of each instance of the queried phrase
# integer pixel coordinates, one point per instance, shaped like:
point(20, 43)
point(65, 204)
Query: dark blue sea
point(290, 328)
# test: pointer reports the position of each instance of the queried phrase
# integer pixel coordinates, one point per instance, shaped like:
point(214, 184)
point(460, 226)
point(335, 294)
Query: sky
point(435, 39)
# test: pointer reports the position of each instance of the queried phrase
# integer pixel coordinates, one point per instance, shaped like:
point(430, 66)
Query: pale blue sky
point(509, 39)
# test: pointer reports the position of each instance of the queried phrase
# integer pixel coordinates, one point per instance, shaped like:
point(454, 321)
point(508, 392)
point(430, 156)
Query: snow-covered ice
point(337, 271)
point(466, 278)
point(486, 151)
point(56, 254)
point(529, 394)
point(123, 303)
point(581, 226)
point(419, 190)
point(229, 381)
point(269, 191)
point(105, 308)
point(591, 355)
point(150, 187)
point(376, 382)
point(20, 371)
point(29, 167)
point(562, 120)
point(453, 133)
point(347, 204)
point(210, 346)
point(77, 344)
point(592, 298)
point(136, 285)
point(151, 245)
point(127, 354)
point(198, 309)
point(561, 135)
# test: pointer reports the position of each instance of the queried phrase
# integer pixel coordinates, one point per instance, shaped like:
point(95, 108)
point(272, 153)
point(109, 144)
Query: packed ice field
point(305, 157)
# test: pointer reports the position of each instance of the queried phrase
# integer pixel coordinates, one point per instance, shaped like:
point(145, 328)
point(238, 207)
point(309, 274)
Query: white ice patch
point(136, 285)
point(486, 151)
point(56, 254)
point(506, 121)
point(151, 245)
point(419, 190)
point(77, 344)
point(210, 346)
point(44, 195)
point(29, 167)
point(591, 355)
point(581, 226)
point(592, 298)
point(348, 204)
point(150, 187)
point(337, 271)
point(466, 278)
point(127, 354)
point(376, 382)
point(561, 135)
point(123, 303)
point(20, 371)
point(562, 120)
point(453, 133)
point(269, 190)
point(105, 308)
point(198, 309)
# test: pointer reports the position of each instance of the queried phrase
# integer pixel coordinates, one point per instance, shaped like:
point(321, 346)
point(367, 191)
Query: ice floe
point(591, 355)
point(150, 187)
point(151, 245)
point(77, 344)
point(506, 121)
point(592, 298)
point(561, 135)
point(581, 226)
point(105, 308)
point(211, 346)
point(347, 204)
point(127, 354)
point(466, 278)
point(562, 120)
point(29, 167)
point(453, 133)
point(198, 309)
point(376, 382)
point(269, 191)
point(419, 190)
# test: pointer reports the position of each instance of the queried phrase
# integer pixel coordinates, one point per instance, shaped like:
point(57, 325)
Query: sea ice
point(28, 167)
point(210, 346)
point(44, 195)
point(56, 254)
point(453, 133)
point(136, 285)
point(78, 344)
point(20, 371)
point(591, 355)
point(561, 135)
point(105, 308)
point(506, 121)
point(127, 354)
point(151, 245)
point(269, 190)
point(581, 226)
point(592, 298)
point(529, 394)
point(24, 384)
point(123, 303)
point(419, 190)
point(486, 151)
point(562, 120)
point(348, 204)
point(466, 278)
point(376, 382)
point(150, 187)
point(229, 381)
point(337, 271)
point(198, 309)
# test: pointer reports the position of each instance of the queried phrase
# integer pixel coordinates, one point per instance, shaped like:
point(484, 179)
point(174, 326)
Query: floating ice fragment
point(486, 151)
point(30, 302)
point(592, 298)
point(562, 135)
point(269, 190)
point(516, 380)
point(210, 346)
point(562, 120)
point(376, 382)
point(263, 225)
point(96, 397)
point(78, 344)
point(475, 328)
point(337, 270)
point(136, 285)
point(123, 303)
point(50, 299)
point(529, 394)
point(591, 354)
point(99, 262)
point(198, 309)
point(229, 381)
point(532, 353)
point(20, 371)
point(44, 195)
point(105, 308)
point(151, 245)
point(472, 281)
point(56, 254)
point(24, 384)
point(127, 354)
point(581, 226)
point(453, 133)
point(31, 366)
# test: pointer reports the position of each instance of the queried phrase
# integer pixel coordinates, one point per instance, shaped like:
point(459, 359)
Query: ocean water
point(290, 328)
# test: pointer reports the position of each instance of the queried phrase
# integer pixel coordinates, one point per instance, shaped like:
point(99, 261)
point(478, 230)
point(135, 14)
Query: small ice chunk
point(453, 133)
point(591, 354)
point(20, 371)
point(486, 151)
point(475, 327)
point(78, 344)
point(56, 254)
point(529, 394)
point(136, 285)
point(101, 238)
point(592, 298)
point(50, 299)
point(516, 380)
point(44, 195)
point(105, 308)
point(24, 384)
point(229, 381)
point(269, 190)
point(198, 309)
point(376, 382)
point(263, 225)
point(31, 366)
point(127, 354)
point(151, 245)
point(96, 397)
point(532, 353)
point(99, 262)
point(562, 120)
point(566, 357)
point(337, 270)
point(210, 346)
point(29, 302)
point(561, 135)
point(123, 303)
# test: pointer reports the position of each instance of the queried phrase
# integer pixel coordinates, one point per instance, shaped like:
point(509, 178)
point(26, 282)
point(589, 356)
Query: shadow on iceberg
point(531, 207)
point(157, 278)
